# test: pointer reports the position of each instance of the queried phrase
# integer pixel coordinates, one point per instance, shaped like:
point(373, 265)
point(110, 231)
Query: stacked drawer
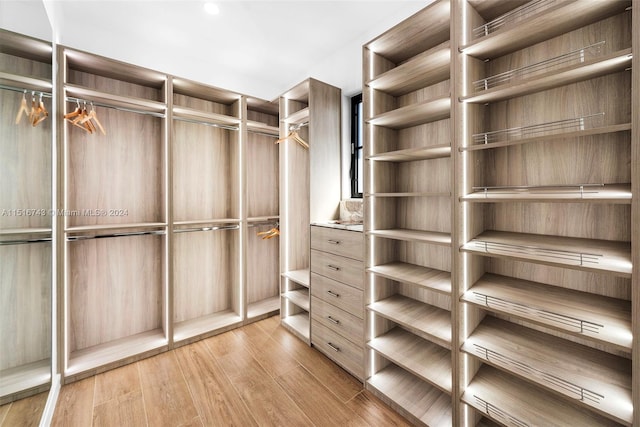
point(337, 302)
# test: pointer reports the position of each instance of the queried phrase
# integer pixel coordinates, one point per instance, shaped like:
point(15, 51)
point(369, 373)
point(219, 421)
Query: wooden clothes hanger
point(23, 108)
point(293, 134)
point(87, 121)
point(40, 113)
point(275, 231)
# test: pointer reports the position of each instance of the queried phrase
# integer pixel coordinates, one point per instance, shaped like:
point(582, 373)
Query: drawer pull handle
point(332, 320)
point(333, 347)
point(333, 294)
point(334, 242)
point(333, 267)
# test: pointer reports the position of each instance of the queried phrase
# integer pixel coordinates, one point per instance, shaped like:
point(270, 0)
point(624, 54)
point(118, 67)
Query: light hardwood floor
point(257, 375)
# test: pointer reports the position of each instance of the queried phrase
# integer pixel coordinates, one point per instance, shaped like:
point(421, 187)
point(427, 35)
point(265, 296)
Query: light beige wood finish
point(344, 352)
point(413, 154)
point(635, 210)
point(299, 297)
point(436, 280)
point(429, 322)
point(428, 361)
point(298, 324)
point(435, 238)
point(556, 307)
point(26, 218)
point(608, 193)
point(262, 272)
point(588, 377)
point(509, 400)
point(25, 412)
point(413, 115)
point(341, 295)
point(422, 403)
point(301, 277)
point(339, 242)
point(340, 321)
point(338, 268)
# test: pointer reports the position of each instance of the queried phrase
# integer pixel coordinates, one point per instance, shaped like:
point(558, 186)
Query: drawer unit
point(344, 352)
point(336, 293)
point(347, 325)
point(339, 242)
point(337, 267)
point(337, 296)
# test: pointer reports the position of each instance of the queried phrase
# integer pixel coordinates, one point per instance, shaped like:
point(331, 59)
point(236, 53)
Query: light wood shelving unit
point(26, 255)
point(408, 216)
point(309, 190)
point(546, 198)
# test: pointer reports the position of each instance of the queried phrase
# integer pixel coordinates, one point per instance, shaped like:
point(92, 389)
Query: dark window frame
point(356, 145)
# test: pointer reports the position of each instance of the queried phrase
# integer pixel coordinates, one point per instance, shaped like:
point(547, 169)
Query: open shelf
point(605, 193)
point(424, 69)
point(433, 237)
point(204, 117)
point(617, 61)
point(571, 252)
point(301, 277)
point(298, 324)
point(408, 194)
point(429, 278)
point(429, 322)
point(25, 377)
point(514, 402)
point(299, 117)
point(142, 226)
point(299, 297)
point(414, 114)
point(414, 154)
point(24, 82)
point(263, 307)
point(606, 320)
point(104, 99)
point(556, 19)
point(425, 402)
point(589, 377)
point(204, 324)
point(424, 359)
point(264, 128)
point(115, 351)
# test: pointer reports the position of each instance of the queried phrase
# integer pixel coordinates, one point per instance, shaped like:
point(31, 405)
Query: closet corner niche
point(26, 254)
point(309, 189)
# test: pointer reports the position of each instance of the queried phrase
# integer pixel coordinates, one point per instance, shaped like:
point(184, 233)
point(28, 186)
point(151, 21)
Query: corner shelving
point(546, 196)
point(408, 206)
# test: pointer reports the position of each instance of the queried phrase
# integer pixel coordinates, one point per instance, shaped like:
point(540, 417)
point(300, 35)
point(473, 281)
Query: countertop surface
point(351, 226)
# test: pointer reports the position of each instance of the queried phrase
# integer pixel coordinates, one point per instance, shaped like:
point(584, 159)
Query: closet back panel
point(122, 170)
point(25, 292)
point(205, 172)
point(25, 162)
point(24, 67)
point(205, 273)
point(204, 105)
point(115, 288)
point(113, 86)
point(262, 169)
point(262, 265)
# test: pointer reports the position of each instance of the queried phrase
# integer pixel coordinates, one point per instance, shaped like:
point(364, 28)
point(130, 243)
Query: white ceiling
point(257, 47)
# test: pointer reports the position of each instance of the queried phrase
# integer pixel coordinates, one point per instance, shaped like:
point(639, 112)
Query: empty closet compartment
point(25, 286)
point(263, 275)
point(114, 299)
point(206, 280)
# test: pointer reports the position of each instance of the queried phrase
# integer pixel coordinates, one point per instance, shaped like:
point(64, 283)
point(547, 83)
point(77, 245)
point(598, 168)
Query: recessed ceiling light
point(211, 8)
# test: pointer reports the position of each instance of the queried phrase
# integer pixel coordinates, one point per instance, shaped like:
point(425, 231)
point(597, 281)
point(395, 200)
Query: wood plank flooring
point(257, 375)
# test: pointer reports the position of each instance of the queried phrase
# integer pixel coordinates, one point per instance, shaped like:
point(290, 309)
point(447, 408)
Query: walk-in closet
point(370, 213)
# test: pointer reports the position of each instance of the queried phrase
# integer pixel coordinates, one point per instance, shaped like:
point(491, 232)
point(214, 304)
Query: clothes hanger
point(92, 118)
point(293, 134)
point(275, 231)
point(40, 114)
point(74, 113)
point(23, 108)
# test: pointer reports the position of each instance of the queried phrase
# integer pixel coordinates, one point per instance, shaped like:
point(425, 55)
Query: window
point(357, 163)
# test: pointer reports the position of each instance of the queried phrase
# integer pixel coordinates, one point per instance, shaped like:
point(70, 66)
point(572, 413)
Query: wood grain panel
point(348, 298)
point(75, 404)
point(115, 288)
point(374, 411)
point(205, 273)
point(262, 170)
point(165, 391)
point(262, 265)
point(124, 410)
point(312, 397)
point(24, 412)
point(122, 170)
point(215, 398)
point(116, 384)
point(339, 242)
point(345, 270)
point(24, 66)
point(25, 161)
point(204, 173)
point(25, 295)
point(340, 321)
point(113, 85)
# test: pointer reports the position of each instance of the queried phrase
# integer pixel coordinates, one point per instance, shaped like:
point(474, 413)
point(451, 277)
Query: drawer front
point(342, 296)
point(338, 268)
point(339, 349)
point(347, 325)
point(339, 242)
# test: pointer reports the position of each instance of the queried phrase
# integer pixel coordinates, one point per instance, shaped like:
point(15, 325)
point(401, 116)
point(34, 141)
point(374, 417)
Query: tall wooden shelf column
point(26, 219)
point(545, 187)
point(309, 189)
point(408, 216)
